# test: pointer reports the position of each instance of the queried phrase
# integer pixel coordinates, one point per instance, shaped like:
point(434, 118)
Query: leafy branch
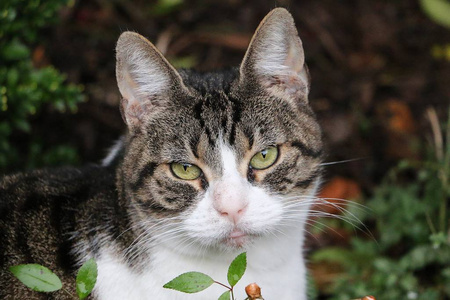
point(194, 282)
point(41, 279)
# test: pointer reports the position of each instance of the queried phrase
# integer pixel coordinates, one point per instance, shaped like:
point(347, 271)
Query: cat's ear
point(275, 57)
point(145, 78)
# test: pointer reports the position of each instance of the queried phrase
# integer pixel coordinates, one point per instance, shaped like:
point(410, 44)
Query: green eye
point(185, 171)
point(264, 159)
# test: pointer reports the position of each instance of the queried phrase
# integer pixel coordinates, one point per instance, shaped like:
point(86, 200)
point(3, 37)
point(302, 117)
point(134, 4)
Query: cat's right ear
point(275, 59)
point(145, 78)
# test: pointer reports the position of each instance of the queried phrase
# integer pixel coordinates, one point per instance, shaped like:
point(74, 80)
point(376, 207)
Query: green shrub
point(410, 254)
point(26, 90)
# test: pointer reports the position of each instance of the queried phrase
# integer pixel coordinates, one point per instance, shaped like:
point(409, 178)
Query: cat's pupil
point(185, 167)
point(264, 153)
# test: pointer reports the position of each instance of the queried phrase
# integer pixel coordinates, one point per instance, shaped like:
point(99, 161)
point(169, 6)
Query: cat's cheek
point(263, 213)
point(204, 223)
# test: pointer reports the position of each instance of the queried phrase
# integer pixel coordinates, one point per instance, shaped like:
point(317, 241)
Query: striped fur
point(142, 223)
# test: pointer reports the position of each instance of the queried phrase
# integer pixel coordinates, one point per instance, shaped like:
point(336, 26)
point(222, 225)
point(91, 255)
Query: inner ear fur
point(275, 57)
point(145, 78)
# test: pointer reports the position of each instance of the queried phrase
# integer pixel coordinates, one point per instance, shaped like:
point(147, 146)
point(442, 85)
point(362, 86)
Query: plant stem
point(228, 288)
point(225, 286)
point(444, 172)
point(437, 134)
point(69, 293)
point(430, 223)
point(447, 165)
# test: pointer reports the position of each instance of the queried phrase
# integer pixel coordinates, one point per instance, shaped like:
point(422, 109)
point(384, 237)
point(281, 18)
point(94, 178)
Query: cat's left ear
point(275, 58)
point(146, 80)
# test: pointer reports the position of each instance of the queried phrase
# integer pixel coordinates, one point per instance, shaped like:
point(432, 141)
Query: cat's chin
point(237, 239)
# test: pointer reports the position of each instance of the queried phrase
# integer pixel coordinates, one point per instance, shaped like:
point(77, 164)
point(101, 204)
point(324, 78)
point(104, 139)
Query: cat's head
point(219, 160)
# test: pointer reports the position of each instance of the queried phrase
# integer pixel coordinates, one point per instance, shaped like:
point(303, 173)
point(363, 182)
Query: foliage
point(41, 279)
point(410, 257)
point(194, 282)
point(190, 282)
point(165, 7)
point(237, 269)
point(86, 278)
point(437, 10)
point(26, 90)
point(37, 277)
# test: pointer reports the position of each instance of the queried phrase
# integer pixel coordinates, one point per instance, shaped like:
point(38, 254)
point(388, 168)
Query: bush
point(26, 90)
point(409, 258)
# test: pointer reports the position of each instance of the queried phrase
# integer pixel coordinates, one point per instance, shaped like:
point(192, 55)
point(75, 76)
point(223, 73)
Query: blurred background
point(380, 88)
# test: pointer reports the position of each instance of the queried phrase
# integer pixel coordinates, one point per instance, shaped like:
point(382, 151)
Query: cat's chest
point(116, 280)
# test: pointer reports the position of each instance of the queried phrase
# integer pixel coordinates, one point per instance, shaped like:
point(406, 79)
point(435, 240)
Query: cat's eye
point(264, 159)
point(185, 171)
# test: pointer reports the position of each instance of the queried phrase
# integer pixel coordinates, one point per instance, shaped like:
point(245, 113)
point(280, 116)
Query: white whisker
point(342, 161)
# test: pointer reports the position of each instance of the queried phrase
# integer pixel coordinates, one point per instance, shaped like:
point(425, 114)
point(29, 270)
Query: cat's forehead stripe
point(220, 114)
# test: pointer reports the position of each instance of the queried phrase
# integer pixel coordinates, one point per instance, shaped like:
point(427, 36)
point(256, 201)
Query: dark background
point(379, 70)
point(371, 62)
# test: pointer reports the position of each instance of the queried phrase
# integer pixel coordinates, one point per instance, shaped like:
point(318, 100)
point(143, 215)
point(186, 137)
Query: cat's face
point(219, 160)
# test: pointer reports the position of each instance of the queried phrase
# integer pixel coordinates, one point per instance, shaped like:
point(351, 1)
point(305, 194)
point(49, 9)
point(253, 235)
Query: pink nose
point(230, 203)
point(234, 214)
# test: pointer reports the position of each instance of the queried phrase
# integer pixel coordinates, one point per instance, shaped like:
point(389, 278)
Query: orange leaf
point(336, 189)
point(398, 116)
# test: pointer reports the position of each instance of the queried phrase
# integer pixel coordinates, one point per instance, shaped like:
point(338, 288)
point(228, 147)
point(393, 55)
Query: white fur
point(143, 75)
point(275, 259)
point(113, 151)
point(271, 57)
point(280, 277)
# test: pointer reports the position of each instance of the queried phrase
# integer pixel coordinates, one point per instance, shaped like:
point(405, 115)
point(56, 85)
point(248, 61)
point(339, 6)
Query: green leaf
point(37, 277)
point(185, 62)
point(237, 269)
point(86, 278)
point(23, 125)
point(15, 50)
point(164, 7)
point(190, 282)
point(438, 239)
point(437, 10)
point(225, 296)
point(333, 254)
point(13, 76)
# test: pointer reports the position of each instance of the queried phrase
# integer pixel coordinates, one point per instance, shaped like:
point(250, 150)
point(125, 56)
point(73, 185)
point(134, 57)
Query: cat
point(213, 164)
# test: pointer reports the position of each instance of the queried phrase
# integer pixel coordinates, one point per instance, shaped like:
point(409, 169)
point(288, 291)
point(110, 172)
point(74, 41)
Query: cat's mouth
point(237, 238)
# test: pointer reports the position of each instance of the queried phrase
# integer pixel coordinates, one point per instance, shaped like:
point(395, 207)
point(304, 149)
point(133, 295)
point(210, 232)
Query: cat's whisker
point(315, 224)
point(168, 235)
point(339, 201)
point(345, 211)
point(145, 228)
point(342, 161)
point(294, 206)
point(140, 224)
point(165, 232)
point(143, 224)
point(309, 224)
point(147, 242)
point(146, 231)
point(323, 201)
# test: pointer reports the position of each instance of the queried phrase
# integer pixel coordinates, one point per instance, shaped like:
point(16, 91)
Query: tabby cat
point(213, 165)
